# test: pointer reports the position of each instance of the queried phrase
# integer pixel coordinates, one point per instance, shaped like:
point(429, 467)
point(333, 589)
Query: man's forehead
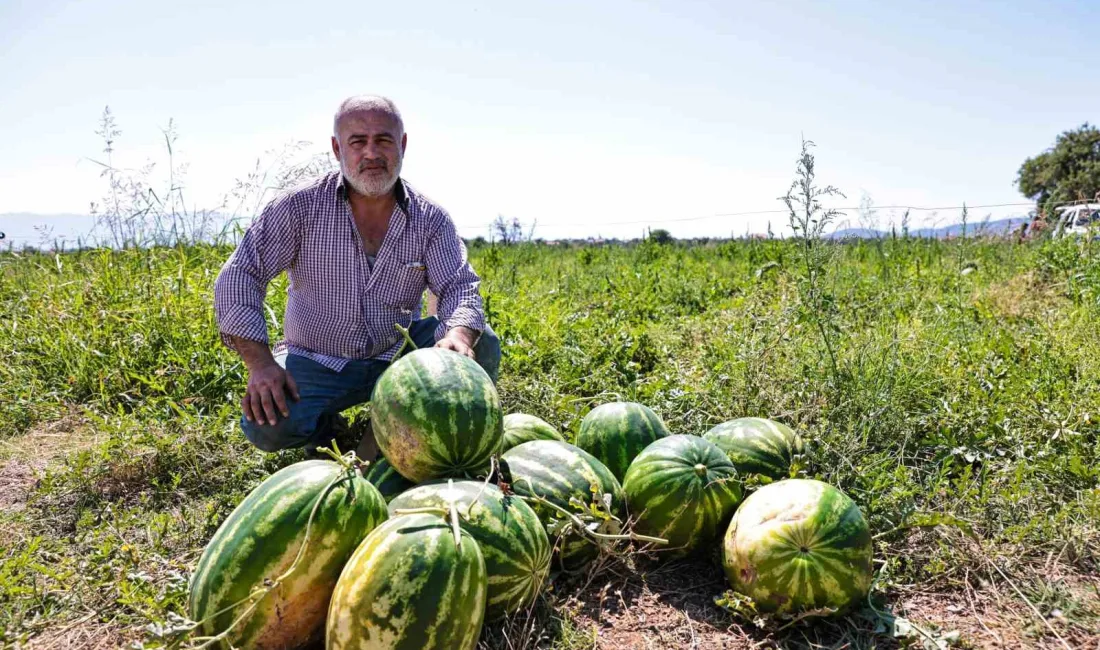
point(367, 121)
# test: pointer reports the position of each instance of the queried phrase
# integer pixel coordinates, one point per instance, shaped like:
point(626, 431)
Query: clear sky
point(582, 115)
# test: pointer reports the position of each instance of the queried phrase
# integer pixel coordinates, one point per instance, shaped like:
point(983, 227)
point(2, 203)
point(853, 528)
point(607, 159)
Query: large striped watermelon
point(510, 535)
point(617, 432)
point(436, 413)
point(383, 476)
point(799, 544)
point(559, 471)
point(259, 541)
point(757, 445)
point(683, 489)
point(520, 428)
point(410, 586)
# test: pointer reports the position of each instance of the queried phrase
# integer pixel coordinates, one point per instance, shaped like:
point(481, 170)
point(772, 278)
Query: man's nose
point(373, 150)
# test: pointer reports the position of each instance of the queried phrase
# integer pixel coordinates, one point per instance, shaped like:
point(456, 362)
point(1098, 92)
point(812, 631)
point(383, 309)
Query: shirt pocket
point(404, 283)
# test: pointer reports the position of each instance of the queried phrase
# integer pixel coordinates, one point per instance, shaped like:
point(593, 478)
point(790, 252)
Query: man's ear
point(336, 148)
point(404, 142)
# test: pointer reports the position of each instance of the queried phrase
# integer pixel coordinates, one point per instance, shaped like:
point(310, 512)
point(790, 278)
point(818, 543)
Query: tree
point(511, 232)
point(1068, 171)
point(660, 236)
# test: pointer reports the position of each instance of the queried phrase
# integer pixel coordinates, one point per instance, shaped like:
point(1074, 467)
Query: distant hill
point(998, 227)
point(67, 230)
point(26, 228)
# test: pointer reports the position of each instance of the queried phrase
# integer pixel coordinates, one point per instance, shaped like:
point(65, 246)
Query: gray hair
point(368, 103)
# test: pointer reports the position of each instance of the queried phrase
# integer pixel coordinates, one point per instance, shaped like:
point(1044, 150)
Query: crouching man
point(359, 246)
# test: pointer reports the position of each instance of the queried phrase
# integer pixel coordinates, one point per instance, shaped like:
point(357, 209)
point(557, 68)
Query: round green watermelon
point(436, 413)
point(559, 471)
point(410, 586)
point(796, 545)
point(757, 446)
point(509, 533)
point(520, 428)
point(383, 476)
point(683, 489)
point(617, 432)
point(260, 540)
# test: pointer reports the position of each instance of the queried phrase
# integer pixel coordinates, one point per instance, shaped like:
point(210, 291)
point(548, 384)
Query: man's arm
point(269, 246)
point(450, 276)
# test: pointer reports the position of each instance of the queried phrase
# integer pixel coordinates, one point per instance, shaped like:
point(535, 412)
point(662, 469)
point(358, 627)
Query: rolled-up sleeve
point(453, 280)
point(269, 247)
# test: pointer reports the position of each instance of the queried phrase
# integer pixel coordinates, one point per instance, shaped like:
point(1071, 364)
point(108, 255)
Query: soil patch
point(23, 459)
point(82, 634)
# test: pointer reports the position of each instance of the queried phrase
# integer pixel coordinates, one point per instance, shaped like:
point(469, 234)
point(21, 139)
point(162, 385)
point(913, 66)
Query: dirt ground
point(672, 606)
point(23, 459)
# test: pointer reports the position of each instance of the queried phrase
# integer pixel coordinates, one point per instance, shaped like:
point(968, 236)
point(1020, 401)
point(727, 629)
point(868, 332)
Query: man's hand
point(268, 387)
point(268, 383)
point(459, 339)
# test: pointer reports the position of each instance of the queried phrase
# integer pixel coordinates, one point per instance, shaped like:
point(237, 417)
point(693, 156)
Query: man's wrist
point(464, 334)
point(255, 354)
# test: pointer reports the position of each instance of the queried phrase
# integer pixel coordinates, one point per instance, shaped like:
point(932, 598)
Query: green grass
point(972, 395)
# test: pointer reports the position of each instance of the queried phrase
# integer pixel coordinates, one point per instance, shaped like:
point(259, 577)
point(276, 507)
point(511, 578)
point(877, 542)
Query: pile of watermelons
point(480, 506)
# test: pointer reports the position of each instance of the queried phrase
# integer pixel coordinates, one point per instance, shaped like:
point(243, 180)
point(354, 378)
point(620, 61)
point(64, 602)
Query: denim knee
point(487, 352)
point(284, 434)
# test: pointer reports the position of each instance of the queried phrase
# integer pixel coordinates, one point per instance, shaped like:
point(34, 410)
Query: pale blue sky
point(577, 114)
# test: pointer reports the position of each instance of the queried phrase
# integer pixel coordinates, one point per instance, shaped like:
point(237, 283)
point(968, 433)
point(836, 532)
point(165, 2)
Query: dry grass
point(1020, 296)
point(23, 459)
point(85, 633)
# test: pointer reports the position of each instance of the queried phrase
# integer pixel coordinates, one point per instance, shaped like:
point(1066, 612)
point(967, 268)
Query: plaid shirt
point(339, 306)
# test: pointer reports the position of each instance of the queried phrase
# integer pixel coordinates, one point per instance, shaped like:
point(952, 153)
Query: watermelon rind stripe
point(389, 482)
point(409, 586)
point(521, 427)
point(799, 544)
point(616, 432)
point(436, 413)
point(509, 533)
point(757, 445)
point(668, 498)
point(260, 540)
point(558, 471)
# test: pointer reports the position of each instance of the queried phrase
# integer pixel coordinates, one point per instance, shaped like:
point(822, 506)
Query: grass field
point(952, 388)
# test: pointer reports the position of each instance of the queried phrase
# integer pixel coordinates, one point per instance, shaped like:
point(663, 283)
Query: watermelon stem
point(348, 461)
point(449, 513)
point(454, 525)
point(579, 524)
point(408, 340)
point(426, 510)
point(494, 465)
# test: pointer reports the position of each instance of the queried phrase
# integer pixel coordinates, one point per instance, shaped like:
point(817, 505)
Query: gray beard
point(370, 187)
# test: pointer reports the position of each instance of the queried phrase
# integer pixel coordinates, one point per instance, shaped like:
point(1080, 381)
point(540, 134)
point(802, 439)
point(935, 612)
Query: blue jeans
point(324, 393)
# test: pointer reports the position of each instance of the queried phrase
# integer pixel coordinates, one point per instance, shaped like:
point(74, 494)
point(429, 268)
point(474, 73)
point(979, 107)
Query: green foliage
point(1068, 171)
point(660, 236)
point(969, 398)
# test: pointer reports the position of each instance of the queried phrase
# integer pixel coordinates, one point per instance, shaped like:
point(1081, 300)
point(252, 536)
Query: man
point(359, 247)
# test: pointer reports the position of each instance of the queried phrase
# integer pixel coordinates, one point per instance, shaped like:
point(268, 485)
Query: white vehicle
point(1077, 219)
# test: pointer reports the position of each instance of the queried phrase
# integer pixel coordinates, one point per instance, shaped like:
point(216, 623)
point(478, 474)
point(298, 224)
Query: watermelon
point(757, 446)
point(383, 476)
point(510, 535)
point(436, 413)
point(260, 540)
point(520, 428)
point(617, 432)
point(559, 471)
point(410, 586)
point(683, 489)
point(799, 544)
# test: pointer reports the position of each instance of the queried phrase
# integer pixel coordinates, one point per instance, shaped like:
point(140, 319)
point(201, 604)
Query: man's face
point(370, 148)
